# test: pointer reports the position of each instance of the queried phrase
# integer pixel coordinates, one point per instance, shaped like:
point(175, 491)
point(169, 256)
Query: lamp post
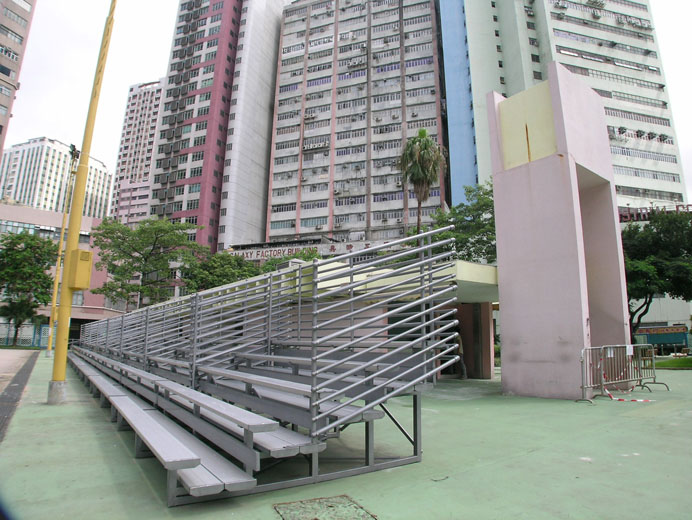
point(58, 263)
point(77, 264)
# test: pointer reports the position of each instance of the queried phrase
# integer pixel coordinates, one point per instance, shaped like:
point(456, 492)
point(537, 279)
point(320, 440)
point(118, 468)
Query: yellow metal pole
point(56, 279)
point(56, 388)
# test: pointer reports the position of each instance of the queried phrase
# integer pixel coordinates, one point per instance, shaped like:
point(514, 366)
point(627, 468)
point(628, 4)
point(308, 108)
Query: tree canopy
point(474, 225)
point(24, 262)
point(308, 255)
point(658, 261)
point(420, 164)
point(143, 263)
point(218, 269)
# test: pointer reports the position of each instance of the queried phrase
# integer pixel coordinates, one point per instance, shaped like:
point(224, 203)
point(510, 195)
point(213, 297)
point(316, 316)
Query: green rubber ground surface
point(486, 456)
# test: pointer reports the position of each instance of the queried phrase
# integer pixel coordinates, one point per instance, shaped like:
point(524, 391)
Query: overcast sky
point(58, 69)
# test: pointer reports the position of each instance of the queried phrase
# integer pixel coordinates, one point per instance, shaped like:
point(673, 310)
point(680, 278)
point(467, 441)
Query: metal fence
point(29, 335)
point(356, 330)
point(617, 367)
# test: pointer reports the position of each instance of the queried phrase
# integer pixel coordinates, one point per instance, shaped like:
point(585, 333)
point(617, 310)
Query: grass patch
point(683, 362)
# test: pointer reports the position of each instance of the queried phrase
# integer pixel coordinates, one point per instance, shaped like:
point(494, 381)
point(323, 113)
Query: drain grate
point(341, 507)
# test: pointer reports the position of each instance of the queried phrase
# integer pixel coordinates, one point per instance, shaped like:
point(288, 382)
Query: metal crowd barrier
point(617, 366)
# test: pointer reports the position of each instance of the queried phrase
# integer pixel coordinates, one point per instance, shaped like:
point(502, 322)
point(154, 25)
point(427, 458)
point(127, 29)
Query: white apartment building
point(242, 217)
point(35, 173)
point(355, 80)
point(504, 45)
point(132, 187)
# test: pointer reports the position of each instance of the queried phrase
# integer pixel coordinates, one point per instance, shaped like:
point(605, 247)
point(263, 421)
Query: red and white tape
point(629, 400)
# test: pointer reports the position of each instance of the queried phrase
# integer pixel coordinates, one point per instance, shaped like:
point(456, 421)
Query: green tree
point(308, 255)
point(219, 269)
point(24, 262)
point(420, 164)
point(474, 225)
point(143, 262)
point(658, 260)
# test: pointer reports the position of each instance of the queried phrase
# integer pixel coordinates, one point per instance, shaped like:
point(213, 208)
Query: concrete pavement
point(486, 456)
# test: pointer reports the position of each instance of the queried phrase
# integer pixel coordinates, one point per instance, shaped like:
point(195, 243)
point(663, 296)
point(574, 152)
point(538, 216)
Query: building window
point(537, 75)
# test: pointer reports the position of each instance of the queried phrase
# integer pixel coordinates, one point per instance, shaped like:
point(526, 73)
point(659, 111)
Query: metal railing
point(356, 330)
point(617, 366)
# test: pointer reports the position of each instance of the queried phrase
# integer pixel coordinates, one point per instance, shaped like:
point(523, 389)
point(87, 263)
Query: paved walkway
point(486, 456)
point(10, 363)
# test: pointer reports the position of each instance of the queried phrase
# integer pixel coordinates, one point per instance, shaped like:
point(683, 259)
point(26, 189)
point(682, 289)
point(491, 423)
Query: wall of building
point(132, 179)
point(242, 217)
point(613, 47)
point(15, 23)
point(35, 174)
point(354, 82)
point(16, 218)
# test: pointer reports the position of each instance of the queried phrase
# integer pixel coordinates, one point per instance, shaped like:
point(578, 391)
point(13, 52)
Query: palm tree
point(420, 164)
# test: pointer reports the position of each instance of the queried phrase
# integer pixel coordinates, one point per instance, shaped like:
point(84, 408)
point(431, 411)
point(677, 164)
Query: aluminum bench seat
point(306, 361)
point(279, 443)
point(303, 402)
point(214, 474)
point(172, 454)
point(305, 373)
point(266, 382)
point(245, 419)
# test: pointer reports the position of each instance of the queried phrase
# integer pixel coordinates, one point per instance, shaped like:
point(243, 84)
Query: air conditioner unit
point(384, 219)
point(318, 227)
point(398, 185)
point(399, 220)
point(326, 153)
point(303, 179)
point(395, 116)
point(414, 114)
point(378, 119)
point(336, 192)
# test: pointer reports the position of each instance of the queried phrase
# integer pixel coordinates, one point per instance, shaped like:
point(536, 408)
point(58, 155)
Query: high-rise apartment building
point(132, 186)
point(243, 214)
point(205, 74)
point(355, 79)
point(35, 174)
point(504, 46)
point(189, 150)
point(15, 21)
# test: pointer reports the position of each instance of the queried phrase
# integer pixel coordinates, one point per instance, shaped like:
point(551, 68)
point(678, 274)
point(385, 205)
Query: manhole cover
point(341, 507)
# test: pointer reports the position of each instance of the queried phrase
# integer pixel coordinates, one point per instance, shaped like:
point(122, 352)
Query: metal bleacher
point(277, 366)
